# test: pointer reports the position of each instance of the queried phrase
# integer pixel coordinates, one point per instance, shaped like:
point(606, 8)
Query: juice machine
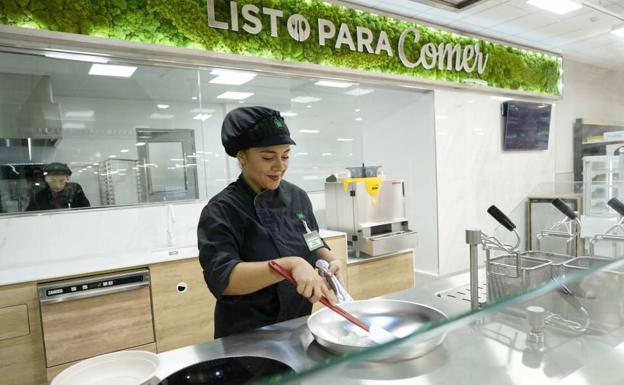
point(371, 210)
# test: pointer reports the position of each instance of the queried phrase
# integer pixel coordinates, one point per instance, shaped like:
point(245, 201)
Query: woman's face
point(264, 167)
point(56, 182)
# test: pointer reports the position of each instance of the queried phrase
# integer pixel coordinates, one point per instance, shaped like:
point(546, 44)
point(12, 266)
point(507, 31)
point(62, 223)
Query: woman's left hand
point(335, 267)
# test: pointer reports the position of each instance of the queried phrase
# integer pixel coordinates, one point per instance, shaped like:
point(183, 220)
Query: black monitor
point(526, 125)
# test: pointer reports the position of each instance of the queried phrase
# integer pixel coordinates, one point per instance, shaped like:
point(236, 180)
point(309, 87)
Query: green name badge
point(313, 240)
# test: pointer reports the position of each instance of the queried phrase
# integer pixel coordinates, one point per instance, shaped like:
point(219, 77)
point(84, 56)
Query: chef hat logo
point(279, 123)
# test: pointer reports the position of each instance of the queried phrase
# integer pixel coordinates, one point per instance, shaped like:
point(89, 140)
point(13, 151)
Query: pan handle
point(564, 208)
point(286, 274)
point(501, 218)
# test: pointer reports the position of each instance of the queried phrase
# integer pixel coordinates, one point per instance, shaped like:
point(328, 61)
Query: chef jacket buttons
point(182, 287)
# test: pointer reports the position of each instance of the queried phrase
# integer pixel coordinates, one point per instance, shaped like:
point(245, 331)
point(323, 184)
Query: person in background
point(258, 218)
point(59, 192)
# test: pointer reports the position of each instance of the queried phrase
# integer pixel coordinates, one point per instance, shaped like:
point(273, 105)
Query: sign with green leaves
point(306, 31)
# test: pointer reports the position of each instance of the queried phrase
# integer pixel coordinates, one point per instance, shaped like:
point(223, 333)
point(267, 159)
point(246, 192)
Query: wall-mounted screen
point(526, 125)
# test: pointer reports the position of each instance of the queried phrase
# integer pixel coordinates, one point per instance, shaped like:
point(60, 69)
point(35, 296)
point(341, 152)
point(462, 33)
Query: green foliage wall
point(183, 23)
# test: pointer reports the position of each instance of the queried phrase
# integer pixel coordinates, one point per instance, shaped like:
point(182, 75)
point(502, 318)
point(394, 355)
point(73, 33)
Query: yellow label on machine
point(372, 185)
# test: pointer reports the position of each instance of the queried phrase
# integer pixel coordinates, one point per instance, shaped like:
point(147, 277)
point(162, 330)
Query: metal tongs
point(341, 293)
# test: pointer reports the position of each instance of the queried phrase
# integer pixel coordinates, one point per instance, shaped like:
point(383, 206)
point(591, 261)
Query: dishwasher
point(88, 316)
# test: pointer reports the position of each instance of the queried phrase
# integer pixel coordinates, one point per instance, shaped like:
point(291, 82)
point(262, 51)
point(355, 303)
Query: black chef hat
point(56, 168)
point(247, 127)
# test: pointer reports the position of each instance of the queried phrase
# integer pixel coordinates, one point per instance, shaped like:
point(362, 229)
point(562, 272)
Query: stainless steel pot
point(400, 318)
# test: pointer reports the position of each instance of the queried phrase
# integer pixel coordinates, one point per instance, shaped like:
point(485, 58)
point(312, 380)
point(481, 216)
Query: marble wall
point(474, 172)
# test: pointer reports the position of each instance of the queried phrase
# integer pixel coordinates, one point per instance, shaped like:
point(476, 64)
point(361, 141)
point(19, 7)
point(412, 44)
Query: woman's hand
point(335, 267)
point(309, 283)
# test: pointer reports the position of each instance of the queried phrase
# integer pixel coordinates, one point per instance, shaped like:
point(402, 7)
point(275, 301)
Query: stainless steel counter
point(495, 352)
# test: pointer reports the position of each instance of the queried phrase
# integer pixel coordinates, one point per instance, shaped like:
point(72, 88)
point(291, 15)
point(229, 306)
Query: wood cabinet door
point(183, 305)
point(22, 358)
point(368, 279)
point(79, 329)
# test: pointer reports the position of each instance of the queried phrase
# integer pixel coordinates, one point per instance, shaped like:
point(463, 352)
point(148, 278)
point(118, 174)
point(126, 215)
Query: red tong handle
point(286, 274)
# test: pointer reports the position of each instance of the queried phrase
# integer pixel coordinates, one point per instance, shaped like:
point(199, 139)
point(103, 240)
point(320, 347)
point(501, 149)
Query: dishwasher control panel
point(91, 286)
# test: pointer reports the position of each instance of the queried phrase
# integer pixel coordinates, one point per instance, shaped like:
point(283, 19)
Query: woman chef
point(258, 218)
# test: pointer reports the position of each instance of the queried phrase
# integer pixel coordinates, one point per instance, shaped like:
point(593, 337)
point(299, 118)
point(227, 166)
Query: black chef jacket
point(239, 226)
point(72, 196)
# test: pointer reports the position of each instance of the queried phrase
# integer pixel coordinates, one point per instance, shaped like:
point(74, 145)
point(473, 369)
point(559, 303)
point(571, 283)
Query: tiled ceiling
point(583, 35)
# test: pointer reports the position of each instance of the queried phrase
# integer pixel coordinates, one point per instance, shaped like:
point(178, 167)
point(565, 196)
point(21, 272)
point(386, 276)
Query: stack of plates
point(119, 368)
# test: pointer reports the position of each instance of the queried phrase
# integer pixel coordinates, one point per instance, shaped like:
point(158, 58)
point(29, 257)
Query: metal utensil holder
point(610, 235)
point(566, 229)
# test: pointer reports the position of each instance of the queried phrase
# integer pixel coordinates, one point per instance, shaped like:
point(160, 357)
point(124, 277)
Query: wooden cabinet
point(182, 304)
point(21, 346)
point(79, 329)
point(368, 278)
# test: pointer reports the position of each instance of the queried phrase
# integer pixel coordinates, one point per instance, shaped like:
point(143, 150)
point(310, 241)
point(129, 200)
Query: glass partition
point(132, 133)
point(543, 317)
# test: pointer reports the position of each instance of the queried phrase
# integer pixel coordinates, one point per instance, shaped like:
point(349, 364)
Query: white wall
point(474, 172)
point(403, 142)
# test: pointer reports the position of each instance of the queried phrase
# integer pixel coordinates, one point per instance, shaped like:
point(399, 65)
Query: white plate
point(120, 368)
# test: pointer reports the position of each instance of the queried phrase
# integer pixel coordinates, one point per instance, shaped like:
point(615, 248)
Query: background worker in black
point(259, 218)
point(59, 192)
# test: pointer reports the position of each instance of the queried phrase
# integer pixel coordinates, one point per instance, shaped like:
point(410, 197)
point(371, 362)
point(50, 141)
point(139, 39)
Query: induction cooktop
point(230, 371)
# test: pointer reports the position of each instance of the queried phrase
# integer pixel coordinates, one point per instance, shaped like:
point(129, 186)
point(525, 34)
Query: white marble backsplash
point(474, 172)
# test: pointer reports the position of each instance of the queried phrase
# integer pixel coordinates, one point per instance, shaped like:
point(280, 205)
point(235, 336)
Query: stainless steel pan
point(401, 318)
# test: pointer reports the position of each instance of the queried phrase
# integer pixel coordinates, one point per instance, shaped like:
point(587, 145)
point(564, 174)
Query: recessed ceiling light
point(80, 114)
point(359, 91)
point(231, 77)
point(138, 144)
point(157, 115)
point(618, 30)
point(305, 99)
point(123, 151)
point(112, 70)
point(202, 117)
point(344, 139)
point(288, 113)
point(357, 110)
point(326, 154)
point(358, 119)
point(235, 95)
point(308, 106)
point(76, 57)
point(559, 7)
point(309, 131)
point(112, 156)
point(302, 153)
point(202, 110)
point(162, 106)
point(334, 84)
point(74, 125)
point(194, 98)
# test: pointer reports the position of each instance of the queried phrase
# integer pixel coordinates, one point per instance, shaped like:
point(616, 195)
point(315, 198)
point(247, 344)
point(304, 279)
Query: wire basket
point(505, 278)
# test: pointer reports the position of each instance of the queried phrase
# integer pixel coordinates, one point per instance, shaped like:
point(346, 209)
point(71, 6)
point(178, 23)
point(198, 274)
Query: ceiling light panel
point(231, 95)
point(560, 7)
point(231, 77)
point(112, 70)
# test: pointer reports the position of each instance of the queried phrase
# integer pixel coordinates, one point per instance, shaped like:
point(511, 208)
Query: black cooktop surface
point(230, 371)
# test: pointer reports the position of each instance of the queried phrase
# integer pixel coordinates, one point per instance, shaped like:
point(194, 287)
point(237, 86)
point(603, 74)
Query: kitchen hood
point(28, 111)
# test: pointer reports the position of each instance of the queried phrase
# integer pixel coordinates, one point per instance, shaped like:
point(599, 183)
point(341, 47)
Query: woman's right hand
point(310, 284)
